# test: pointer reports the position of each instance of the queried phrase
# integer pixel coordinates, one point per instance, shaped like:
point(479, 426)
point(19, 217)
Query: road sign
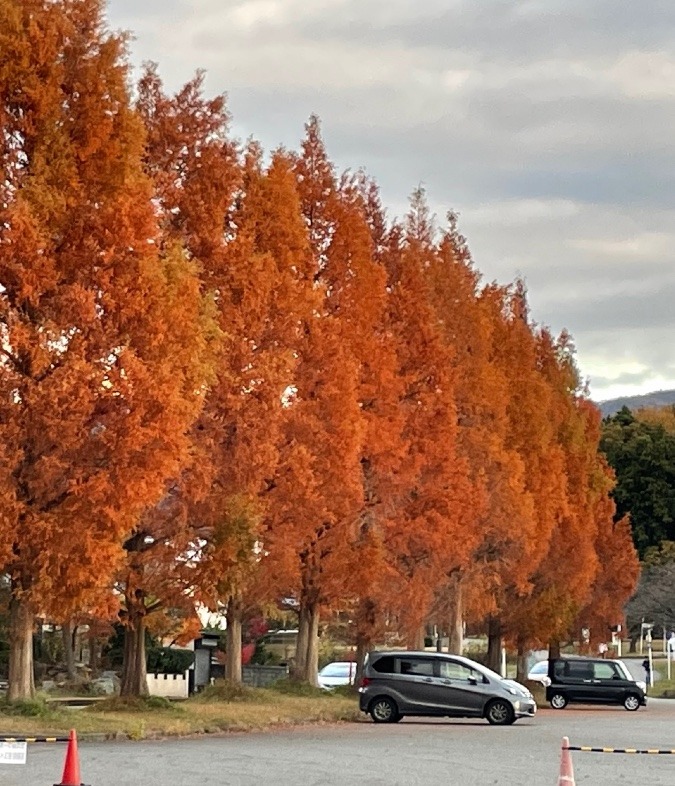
point(13, 752)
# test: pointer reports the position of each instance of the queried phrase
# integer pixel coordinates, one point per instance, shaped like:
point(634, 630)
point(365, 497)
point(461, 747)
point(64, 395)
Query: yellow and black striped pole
point(34, 739)
point(588, 749)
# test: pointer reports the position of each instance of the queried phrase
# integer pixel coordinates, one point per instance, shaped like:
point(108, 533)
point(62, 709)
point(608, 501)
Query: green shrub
point(135, 704)
point(28, 708)
point(344, 690)
point(291, 688)
point(226, 691)
point(165, 660)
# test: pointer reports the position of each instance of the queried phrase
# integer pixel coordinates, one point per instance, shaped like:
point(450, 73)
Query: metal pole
point(641, 633)
point(668, 660)
point(651, 665)
point(503, 661)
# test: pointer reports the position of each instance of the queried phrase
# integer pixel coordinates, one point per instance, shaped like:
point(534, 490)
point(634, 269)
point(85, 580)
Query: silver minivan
point(396, 684)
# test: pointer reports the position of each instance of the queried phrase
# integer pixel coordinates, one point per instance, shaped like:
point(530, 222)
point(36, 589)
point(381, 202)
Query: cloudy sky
point(547, 124)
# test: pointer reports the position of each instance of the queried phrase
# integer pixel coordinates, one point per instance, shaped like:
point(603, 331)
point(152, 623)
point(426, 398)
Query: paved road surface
point(465, 753)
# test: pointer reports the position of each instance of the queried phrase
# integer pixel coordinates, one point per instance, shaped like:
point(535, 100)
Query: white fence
point(171, 686)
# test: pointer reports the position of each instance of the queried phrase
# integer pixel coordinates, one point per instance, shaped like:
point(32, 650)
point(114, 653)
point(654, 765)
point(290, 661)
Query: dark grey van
point(593, 681)
point(396, 684)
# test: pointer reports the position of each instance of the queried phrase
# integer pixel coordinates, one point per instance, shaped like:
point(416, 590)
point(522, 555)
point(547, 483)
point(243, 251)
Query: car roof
point(585, 658)
point(423, 654)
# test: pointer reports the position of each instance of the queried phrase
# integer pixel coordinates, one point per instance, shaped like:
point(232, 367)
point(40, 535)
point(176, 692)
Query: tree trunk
point(21, 624)
point(93, 654)
point(312, 658)
point(362, 649)
point(300, 666)
point(366, 619)
point(68, 634)
point(233, 642)
point(456, 622)
point(494, 653)
point(134, 665)
point(416, 640)
point(553, 650)
point(521, 663)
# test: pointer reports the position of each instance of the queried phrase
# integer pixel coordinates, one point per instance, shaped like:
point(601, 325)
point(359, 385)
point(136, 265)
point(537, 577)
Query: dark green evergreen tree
point(643, 457)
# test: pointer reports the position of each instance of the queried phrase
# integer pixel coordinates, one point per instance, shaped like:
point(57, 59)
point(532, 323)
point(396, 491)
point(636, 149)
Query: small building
point(207, 666)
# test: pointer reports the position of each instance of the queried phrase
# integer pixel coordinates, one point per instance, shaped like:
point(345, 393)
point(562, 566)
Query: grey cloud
point(628, 378)
point(514, 31)
point(546, 123)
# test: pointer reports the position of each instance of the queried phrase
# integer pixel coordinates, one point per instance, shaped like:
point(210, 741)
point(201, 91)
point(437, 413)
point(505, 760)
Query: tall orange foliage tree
point(346, 230)
point(268, 299)
point(431, 532)
point(502, 513)
point(98, 383)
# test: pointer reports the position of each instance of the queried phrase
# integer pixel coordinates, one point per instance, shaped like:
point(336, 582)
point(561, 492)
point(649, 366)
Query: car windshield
point(488, 672)
point(338, 670)
point(539, 668)
point(624, 670)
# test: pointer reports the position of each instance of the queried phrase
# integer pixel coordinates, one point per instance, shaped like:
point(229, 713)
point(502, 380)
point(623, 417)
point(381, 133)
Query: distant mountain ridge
point(660, 398)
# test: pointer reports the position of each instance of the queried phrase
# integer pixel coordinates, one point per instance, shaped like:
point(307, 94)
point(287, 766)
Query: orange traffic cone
point(71, 767)
point(566, 777)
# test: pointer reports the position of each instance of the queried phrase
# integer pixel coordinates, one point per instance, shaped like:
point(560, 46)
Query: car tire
point(499, 712)
point(382, 709)
point(558, 701)
point(631, 702)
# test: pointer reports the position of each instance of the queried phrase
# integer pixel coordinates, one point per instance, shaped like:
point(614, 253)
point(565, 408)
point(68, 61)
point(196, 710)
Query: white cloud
point(547, 124)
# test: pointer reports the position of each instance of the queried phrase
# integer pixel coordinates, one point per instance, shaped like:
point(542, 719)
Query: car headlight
point(641, 685)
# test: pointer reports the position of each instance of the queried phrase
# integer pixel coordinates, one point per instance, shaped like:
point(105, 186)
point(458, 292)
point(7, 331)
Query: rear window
point(385, 665)
point(574, 669)
point(417, 667)
point(539, 668)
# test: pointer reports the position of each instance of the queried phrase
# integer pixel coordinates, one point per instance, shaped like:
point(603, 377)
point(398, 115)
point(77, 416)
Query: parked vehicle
point(593, 681)
point(337, 673)
point(539, 673)
point(396, 684)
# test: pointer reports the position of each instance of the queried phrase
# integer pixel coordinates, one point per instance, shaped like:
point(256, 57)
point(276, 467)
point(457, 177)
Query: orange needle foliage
point(228, 379)
point(98, 380)
point(431, 533)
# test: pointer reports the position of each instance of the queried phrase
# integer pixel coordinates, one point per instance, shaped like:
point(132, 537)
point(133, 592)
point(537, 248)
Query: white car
point(539, 673)
point(338, 673)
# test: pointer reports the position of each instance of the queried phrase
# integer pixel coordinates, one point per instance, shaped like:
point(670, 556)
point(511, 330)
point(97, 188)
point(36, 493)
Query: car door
point(416, 684)
point(609, 684)
point(576, 678)
point(462, 690)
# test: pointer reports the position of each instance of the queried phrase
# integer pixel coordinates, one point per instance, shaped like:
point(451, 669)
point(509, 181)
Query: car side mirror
point(473, 681)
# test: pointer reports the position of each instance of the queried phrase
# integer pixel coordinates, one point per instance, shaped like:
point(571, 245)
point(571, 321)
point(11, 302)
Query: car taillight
point(364, 682)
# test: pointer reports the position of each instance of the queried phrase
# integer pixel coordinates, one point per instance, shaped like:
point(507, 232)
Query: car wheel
point(631, 702)
point(384, 710)
point(499, 713)
point(558, 701)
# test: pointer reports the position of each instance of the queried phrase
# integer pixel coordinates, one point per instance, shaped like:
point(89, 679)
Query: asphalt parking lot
point(415, 751)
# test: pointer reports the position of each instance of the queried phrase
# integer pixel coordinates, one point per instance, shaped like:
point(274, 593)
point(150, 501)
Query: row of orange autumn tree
point(228, 379)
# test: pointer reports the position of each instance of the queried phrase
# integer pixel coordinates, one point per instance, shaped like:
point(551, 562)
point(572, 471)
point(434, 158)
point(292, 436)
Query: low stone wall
point(171, 686)
point(261, 676)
